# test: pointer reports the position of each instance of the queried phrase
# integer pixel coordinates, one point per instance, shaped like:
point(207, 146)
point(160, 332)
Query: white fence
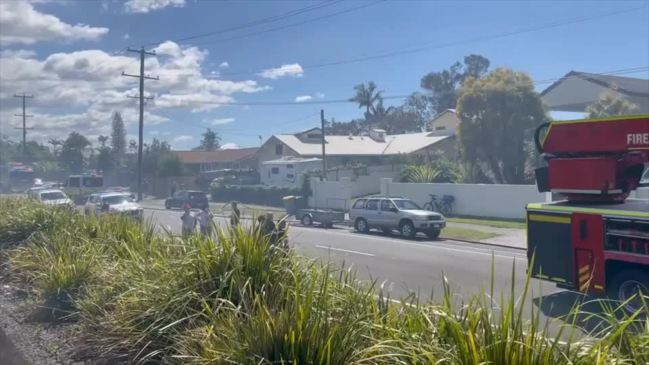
point(480, 200)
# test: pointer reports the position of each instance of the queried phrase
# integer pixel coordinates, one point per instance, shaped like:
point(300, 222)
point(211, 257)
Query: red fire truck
point(596, 240)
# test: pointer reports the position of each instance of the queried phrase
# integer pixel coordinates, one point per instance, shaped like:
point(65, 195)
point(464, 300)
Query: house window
point(440, 128)
point(290, 176)
point(274, 170)
point(279, 149)
point(289, 166)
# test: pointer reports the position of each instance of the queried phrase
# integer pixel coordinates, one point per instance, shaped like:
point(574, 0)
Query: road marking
point(343, 250)
point(504, 254)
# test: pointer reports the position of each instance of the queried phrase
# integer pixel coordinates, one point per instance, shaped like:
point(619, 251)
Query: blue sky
point(70, 55)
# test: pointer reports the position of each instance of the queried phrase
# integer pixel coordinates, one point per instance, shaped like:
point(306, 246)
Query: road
point(418, 266)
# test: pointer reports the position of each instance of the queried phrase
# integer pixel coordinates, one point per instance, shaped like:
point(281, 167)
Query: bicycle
point(443, 206)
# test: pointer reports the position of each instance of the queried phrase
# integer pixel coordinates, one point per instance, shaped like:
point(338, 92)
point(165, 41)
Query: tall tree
point(498, 113)
point(118, 138)
point(610, 104)
point(102, 141)
point(72, 152)
point(366, 97)
point(105, 160)
point(210, 141)
point(159, 160)
point(444, 85)
point(56, 144)
point(420, 106)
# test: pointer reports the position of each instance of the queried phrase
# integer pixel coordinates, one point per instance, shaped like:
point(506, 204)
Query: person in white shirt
point(189, 222)
point(205, 221)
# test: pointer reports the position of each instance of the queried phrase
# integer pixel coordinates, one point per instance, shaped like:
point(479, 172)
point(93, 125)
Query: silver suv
point(388, 214)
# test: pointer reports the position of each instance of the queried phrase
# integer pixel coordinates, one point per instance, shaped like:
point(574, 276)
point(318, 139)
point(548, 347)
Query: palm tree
point(56, 144)
point(367, 96)
point(102, 141)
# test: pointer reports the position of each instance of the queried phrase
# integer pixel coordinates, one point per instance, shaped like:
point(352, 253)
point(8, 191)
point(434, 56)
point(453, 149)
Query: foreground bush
point(140, 297)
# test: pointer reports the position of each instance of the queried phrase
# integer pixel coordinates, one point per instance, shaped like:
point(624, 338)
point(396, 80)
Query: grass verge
point(466, 234)
point(236, 299)
point(489, 222)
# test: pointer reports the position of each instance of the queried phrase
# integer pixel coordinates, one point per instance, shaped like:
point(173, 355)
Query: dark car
point(195, 199)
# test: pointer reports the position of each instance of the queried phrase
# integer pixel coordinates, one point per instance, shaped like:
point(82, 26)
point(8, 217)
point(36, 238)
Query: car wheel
point(627, 286)
point(361, 225)
point(407, 229)
point(434, 234)
point(306, 220)
point(167, 205)
point(386, 231)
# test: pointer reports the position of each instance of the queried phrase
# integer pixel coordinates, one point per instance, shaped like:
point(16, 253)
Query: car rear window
point(359, 204)
point(197, 196)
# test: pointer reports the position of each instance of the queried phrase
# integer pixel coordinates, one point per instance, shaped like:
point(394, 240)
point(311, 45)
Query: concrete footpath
point(506, 237)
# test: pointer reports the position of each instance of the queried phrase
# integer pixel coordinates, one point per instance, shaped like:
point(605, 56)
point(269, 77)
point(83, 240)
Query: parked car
point(644, 180)
point(54, 197)
point(193, 198)
point(113, 203)
point(388, 214)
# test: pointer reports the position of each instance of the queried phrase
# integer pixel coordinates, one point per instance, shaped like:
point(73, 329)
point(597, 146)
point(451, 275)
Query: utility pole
point(324, 160)
point(141, 76)
point(24, 128)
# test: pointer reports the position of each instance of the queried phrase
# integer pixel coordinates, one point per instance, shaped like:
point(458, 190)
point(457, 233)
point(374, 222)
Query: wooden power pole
point(324, 156)
point(24, 127)
point(141, 76)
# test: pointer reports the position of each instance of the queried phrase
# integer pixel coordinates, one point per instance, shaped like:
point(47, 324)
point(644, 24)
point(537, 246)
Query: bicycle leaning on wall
point(443, 205)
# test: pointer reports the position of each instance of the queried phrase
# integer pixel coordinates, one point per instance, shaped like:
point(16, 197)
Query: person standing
point(188, 222)
point(235, 216)
point(174, 187)
point(205, 221)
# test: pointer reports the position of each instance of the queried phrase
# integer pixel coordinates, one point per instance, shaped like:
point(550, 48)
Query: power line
point(141, 77)
point(431, 46)
point(349, 10)
point(24, 128)
point(257, 22)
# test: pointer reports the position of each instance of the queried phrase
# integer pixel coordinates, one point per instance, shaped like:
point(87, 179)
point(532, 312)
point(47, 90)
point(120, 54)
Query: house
point(203, 161)
point(286, 172)
point(577, 90)
point(374, 149)
point(446, 121)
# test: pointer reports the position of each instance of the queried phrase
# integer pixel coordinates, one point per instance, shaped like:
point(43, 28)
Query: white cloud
point(222, 121)
point(303, 98)
point(22, 23)
point(81, 89)
point(145, 6)
point(230, 146)
point(224, 64)
point(183, 138)
point(293, 69)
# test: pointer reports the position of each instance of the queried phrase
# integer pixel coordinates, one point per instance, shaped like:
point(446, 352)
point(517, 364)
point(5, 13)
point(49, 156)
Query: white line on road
point(343, 250)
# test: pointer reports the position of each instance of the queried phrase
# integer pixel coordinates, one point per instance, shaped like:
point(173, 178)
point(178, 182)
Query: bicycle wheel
point(445, 209)
point(428, 206)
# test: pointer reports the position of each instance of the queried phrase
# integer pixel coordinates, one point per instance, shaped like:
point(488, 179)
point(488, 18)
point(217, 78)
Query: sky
point(299, 56)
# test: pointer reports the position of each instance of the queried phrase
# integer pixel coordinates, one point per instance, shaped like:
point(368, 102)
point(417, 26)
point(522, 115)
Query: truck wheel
point(361, 225)
point(306, 220)
point(627, 284)
point(407, 229)
point(433, 234)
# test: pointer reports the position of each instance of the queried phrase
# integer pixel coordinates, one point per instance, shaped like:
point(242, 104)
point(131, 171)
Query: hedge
point(261, 195)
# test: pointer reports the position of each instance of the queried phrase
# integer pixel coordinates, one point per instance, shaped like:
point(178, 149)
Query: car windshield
point(406, 204)
point(117, 199)
point(197, 196)
point(55, 195)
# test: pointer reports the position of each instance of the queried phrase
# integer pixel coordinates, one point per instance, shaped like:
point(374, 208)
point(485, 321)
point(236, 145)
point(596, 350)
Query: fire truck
point(596, 240)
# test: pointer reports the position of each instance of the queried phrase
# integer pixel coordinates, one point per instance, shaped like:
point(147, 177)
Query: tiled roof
point(195, 157)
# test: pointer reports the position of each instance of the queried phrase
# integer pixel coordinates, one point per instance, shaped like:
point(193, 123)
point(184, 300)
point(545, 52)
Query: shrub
point(270, 196)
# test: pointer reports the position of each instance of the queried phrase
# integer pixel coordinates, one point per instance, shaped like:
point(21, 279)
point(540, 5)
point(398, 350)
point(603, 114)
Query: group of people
point(203, 219)
point(265, 224)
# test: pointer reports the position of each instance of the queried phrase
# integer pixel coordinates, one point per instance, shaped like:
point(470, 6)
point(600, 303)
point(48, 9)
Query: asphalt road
point(402, 267)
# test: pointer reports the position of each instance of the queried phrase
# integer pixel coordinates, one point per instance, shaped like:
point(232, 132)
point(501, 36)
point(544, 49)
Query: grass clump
point(233, 298)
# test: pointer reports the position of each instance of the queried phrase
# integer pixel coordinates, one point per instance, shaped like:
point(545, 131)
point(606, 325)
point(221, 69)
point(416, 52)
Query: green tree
point(105, 157)
point(170, 165)
point(56, 144)
point(420, 106)
point(118, 138)
point(498, 114)
point(71, 156)
point(610, 104)
point(102, 141)
point(210, 141)
point(159, 160)
point(367, 96)
point(444, 85)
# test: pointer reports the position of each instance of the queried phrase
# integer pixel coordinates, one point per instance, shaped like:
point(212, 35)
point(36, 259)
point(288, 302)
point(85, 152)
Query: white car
point(113, 203)
point(53, 197)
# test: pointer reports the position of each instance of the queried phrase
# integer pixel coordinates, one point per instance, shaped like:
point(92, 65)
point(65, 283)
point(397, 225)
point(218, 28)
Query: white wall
point(480, 200)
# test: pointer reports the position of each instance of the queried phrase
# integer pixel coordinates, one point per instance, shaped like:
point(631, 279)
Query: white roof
point(364, 145)
point(290, 159)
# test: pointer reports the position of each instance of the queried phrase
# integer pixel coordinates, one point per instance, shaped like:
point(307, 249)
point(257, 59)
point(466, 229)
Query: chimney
point(378, 135)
